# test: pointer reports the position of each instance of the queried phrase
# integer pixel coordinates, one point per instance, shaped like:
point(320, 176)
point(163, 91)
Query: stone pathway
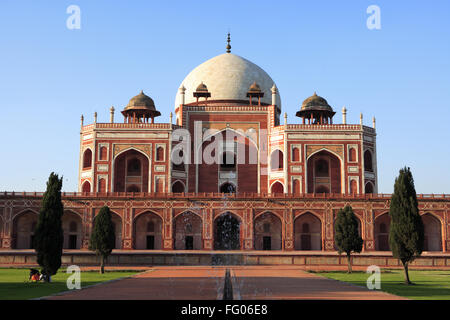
point(249, 282)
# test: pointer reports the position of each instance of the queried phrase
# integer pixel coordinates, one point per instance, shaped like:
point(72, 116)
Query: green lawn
point(428, 284)
point(14, 284)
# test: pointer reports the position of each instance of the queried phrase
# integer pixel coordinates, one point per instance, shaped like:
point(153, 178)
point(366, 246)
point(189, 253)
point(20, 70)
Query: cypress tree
point(102, 237)
point(406, 233)
point(347, 237)
point(49, 238)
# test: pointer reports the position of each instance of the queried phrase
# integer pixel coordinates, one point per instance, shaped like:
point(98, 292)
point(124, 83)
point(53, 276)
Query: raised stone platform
point(206, 258)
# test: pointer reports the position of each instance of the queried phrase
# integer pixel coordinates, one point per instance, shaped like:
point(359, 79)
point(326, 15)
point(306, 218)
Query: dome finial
point(228, 45)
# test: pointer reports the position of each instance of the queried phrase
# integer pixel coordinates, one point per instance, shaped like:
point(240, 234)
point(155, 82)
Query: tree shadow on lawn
point(29, 290)
point(14, 284)
point(433, 285)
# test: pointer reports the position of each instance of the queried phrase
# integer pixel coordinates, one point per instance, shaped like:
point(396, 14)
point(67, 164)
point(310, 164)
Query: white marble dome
point(227, 76)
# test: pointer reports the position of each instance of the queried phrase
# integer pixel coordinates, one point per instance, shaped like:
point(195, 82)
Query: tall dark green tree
point(406, 234)
point(347, 236)
point(48, 237)
point(103, 237)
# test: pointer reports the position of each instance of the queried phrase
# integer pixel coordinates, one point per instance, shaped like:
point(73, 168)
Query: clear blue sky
point(50, 75)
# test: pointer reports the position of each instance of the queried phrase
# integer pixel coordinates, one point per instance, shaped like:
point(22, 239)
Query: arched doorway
point(227, 232)
point(368, 188)
point(188, 231)
point(24, 226)
point(276, 160)
point(87, 159)
point(368, 161)
point(267, 228)
point(277, 187)
point(131, 172)
point(381, 230)
point(148, 231)
point(103, 153)
point(353, 186)
point(72, 228)
point(227, 188)
point(295, 154)
point(352, 155)
point(101, 185)
point(296, 186)
point(432, 231)
point(307, 232)
point(324, 173)
point(178, 187)
point(1, 232)
point(227, 156)
point(86, 187)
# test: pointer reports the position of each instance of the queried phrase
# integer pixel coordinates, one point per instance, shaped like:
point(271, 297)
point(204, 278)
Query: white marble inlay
point(160, 168)
point(307, 136)
point(296, 169)
point(102, 167)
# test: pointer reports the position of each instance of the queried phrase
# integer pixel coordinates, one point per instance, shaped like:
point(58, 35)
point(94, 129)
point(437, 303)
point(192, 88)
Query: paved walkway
point(249, 282)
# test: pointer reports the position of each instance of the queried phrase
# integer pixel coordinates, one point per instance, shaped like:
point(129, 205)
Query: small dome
point(141, 101)
point(202, 88)
point(316, 102)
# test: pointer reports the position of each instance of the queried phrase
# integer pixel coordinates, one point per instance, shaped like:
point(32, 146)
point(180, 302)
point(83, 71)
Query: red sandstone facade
point(227, 175)
point(170, 213)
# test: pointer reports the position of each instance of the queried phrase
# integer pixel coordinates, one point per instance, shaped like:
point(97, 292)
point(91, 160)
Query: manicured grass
point(14, 284)
point(428, 284)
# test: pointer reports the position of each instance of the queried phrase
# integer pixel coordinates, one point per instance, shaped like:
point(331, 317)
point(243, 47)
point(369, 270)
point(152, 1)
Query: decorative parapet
point(211, 195)
point(155, 126)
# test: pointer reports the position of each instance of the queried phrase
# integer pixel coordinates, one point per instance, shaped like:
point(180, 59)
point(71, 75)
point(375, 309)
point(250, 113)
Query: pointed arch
point(24, 225)
point(381, 231)
point(1, 229)
point(277, 187)
point(308, 231)
point(324, 172)
point(295, 154)
point(210, 171)
point(227, 187)
point(103, 153)
point(277, 160)
point(134, 163)
point(369, 188)
point(227, 231)
point(101, 185)
point(368, 160)
point(187, 233)
point(23, 211)
point(148, 239)
point(87, 158)
point(352, 154)
point(432, 232)
point(72, 225)
point(178, 187)
point(86, 186)
point(267, 231)
point(353, 186)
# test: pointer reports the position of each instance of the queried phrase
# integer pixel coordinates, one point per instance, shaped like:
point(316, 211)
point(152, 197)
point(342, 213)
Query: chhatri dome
point(228, 77)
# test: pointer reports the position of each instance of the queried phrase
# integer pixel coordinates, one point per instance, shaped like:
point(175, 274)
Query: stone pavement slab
point(201, 282)
point(293, 283)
